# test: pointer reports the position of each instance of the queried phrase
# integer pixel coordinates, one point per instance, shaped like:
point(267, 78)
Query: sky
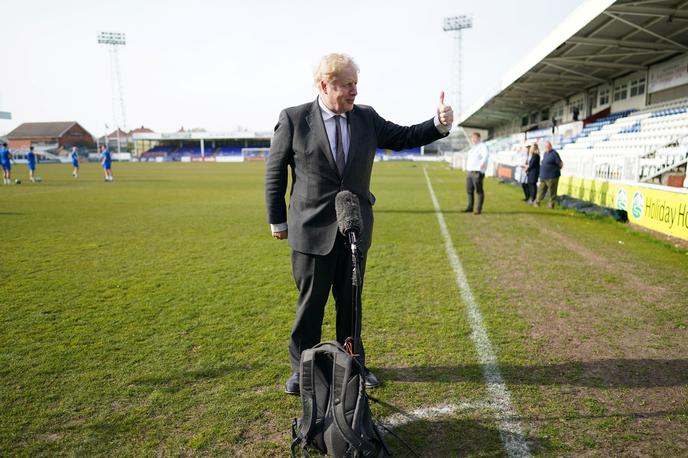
point(230, 65)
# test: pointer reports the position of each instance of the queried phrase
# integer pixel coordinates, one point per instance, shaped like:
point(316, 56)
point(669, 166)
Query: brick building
point(49, 135)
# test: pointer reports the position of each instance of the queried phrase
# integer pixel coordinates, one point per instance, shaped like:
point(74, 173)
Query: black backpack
point(336, 416)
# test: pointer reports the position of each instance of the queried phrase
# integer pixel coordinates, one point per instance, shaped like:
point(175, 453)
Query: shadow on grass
point(10, 213)
point(606, 373)
point(448, 437)
point(477, 436)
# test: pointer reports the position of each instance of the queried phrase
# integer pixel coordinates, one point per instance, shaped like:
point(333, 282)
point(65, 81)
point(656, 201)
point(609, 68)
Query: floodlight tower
point(455, 25)
point(113, 40)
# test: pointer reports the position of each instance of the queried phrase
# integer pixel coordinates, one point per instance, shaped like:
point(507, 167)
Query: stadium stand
point(609, 89)
point(634, 105)
point(194, 146)
point(645, 142)
point(157, 152)
point(596, 126)
point(229, 151)
point(193, 151)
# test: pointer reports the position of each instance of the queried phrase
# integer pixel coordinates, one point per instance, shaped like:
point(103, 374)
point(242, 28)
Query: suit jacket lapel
point(315, 121)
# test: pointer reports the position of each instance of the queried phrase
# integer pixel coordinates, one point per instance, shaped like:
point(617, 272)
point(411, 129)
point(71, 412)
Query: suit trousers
point(474, 183)
point(315, 276)
point(549, 183)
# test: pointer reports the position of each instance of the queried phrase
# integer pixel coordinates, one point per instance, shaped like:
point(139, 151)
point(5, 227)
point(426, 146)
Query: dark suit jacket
point(300, 141)
point(533, 168)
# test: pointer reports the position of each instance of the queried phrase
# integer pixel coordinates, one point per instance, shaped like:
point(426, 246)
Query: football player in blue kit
point(5, 158)
point(31, 163)
point(106, 160)
point(75, 162)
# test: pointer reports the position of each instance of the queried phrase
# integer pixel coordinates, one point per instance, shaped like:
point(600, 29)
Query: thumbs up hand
point(445, 112)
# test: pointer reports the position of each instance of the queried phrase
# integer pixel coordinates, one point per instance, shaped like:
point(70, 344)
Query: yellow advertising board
point(660, 208)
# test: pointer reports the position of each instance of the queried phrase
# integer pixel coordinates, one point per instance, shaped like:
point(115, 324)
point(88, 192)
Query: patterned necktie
point(339, 155)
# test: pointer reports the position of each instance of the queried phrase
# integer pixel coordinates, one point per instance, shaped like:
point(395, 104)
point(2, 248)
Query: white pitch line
point(500, 398)
point(430, 413)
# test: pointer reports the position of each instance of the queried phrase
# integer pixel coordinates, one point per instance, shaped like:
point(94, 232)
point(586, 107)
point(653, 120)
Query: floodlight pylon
point(113, 40)
point(455, 25)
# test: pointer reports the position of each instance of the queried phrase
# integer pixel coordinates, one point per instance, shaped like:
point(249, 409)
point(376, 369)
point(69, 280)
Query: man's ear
point(323, 86)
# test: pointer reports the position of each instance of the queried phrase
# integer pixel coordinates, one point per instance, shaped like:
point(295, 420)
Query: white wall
point(630, 102)
point(604, 106)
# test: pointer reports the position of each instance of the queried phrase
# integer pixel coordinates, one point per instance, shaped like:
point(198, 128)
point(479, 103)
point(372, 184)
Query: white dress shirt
point(331, 129)
point(477, 158)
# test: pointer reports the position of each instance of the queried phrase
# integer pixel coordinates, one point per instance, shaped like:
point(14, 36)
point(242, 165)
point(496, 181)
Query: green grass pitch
point(150, 316)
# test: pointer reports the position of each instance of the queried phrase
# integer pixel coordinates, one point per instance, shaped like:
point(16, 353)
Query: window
point(621, 92)
point(524, 121)
point(604, 97)
point(545, 114)
point(576, 105)
point(638, 87)
point(533, 118)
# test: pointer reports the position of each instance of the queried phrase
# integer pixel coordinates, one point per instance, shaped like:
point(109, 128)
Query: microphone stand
point(351, 342)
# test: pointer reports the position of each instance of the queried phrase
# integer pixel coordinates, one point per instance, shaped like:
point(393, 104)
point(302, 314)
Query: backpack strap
point(301, 430)
point(341, 372)
point(307, 394)
point(295, 437)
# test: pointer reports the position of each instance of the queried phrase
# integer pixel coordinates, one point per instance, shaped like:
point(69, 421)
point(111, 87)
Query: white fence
point(628, 163)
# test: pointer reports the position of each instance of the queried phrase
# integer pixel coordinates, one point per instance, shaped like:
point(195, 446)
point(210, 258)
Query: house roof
point(41, 129)
point(113, 134)
point(141, 130)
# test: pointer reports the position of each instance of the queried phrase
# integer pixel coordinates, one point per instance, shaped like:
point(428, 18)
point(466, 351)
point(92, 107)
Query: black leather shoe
point(292, 386)
point(371, 381)
point(467, 210)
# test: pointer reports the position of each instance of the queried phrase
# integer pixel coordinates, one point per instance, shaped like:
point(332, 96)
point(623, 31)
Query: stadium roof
point(41, 129)
point(600, 41)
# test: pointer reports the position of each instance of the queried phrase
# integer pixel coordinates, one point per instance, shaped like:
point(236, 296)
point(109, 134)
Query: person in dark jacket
point(329, 144)
point(550, 171)
point(520, 174)
point(533, 172)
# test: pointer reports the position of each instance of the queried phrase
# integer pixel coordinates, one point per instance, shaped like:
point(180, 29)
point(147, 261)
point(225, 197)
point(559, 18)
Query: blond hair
point(534, 149)
point(330, 66)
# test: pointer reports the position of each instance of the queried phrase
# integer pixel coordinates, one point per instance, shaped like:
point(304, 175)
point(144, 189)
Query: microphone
point(350, 223)
point(348, 211)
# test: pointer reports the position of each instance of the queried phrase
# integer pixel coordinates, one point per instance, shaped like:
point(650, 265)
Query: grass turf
point(150, 316)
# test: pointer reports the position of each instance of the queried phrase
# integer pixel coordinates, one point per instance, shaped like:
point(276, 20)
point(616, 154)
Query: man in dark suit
point(330, 145)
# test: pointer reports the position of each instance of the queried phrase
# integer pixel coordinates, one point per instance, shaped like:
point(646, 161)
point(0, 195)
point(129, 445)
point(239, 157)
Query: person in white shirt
point(476, 167)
